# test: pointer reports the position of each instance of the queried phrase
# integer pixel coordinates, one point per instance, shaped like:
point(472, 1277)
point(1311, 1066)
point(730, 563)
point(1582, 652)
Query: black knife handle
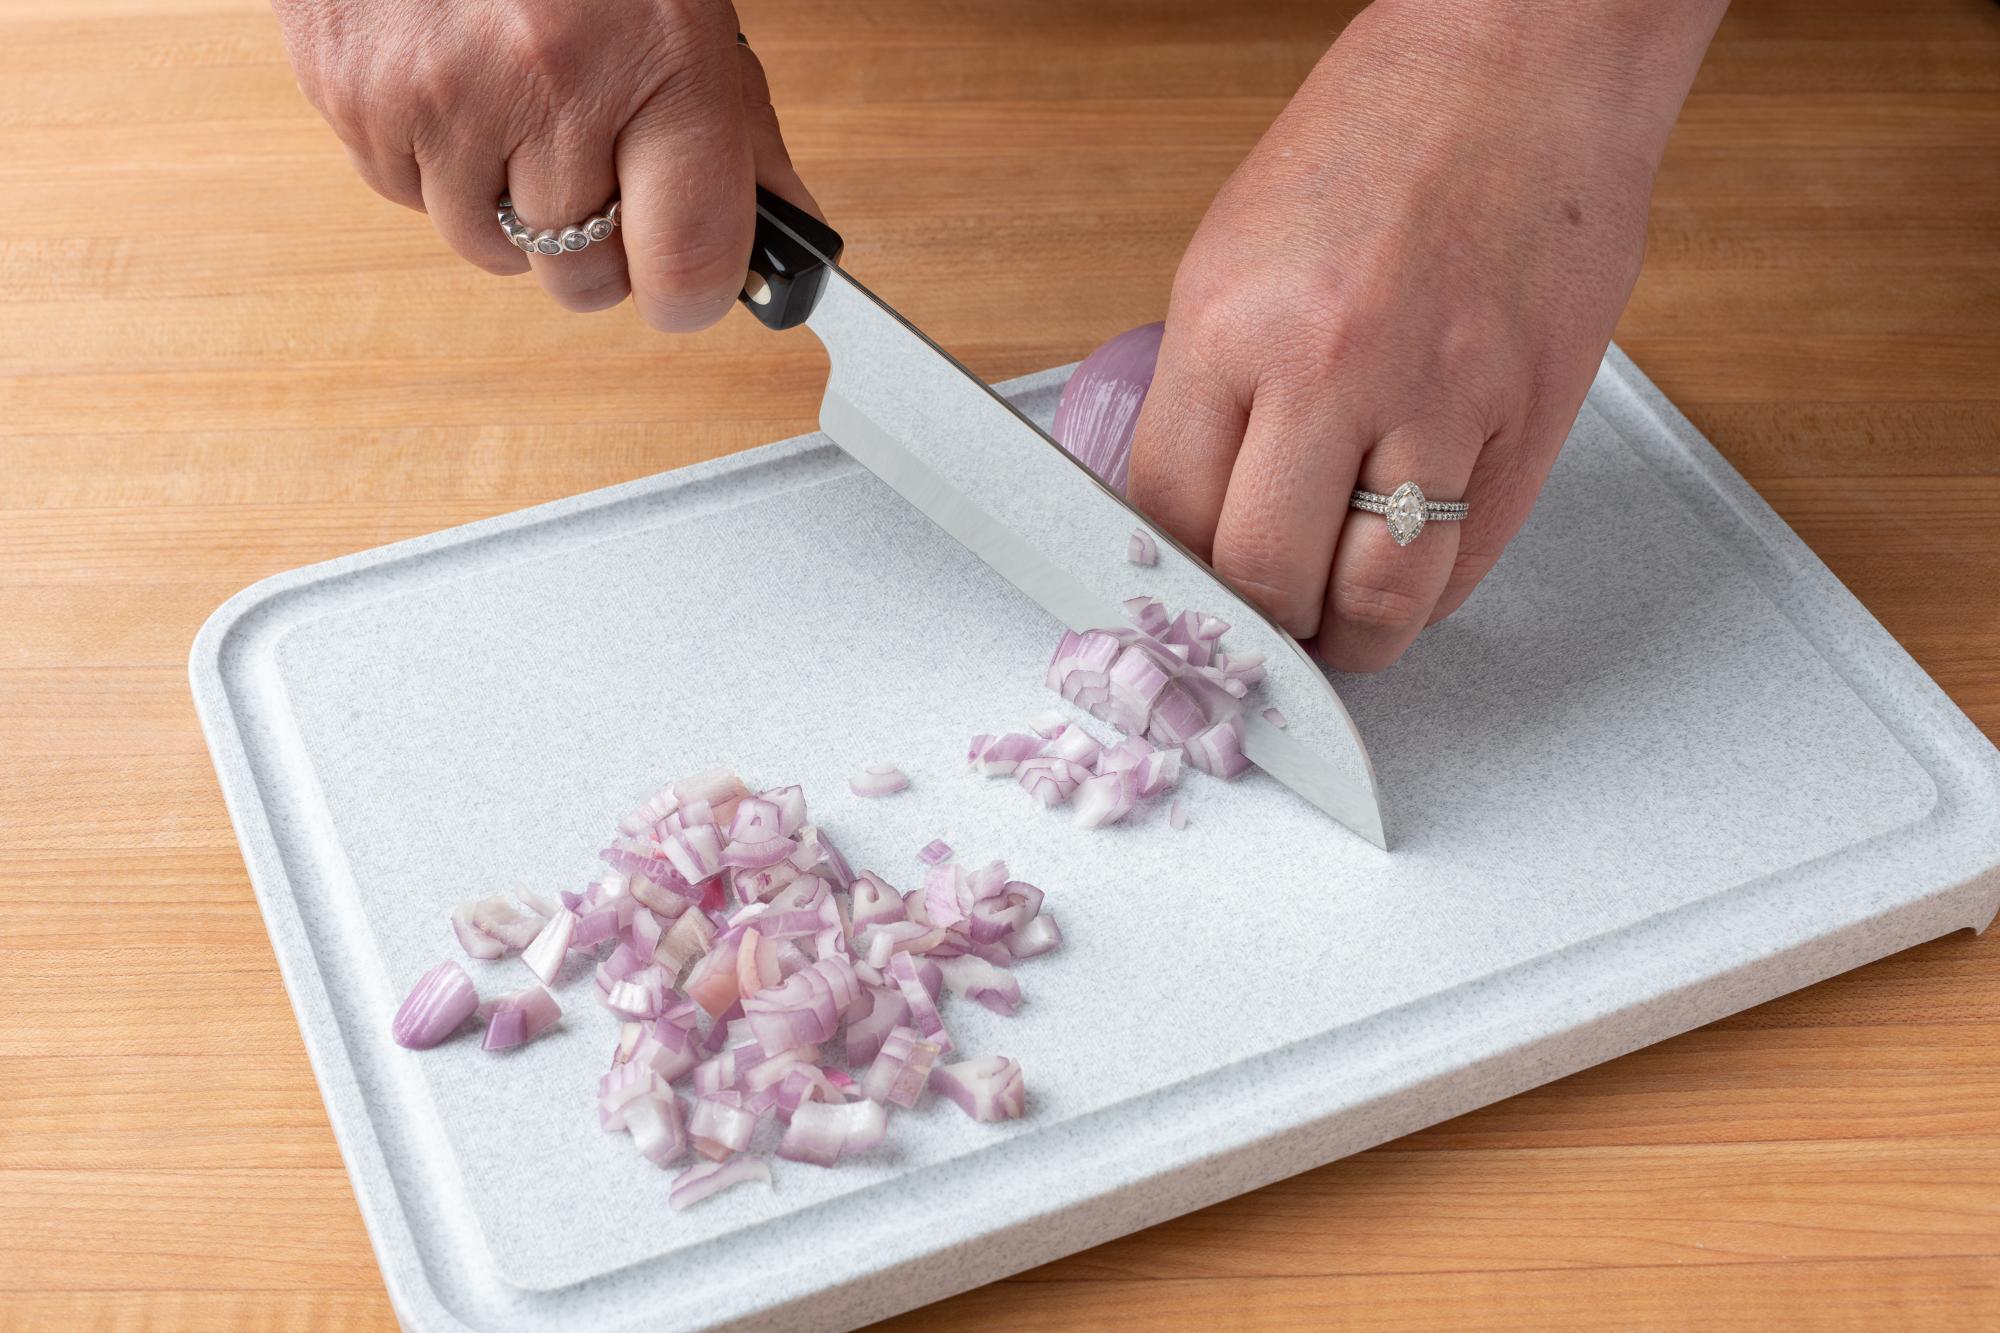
point(788, 262)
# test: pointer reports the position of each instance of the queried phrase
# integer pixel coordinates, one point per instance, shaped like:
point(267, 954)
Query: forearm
point(1628, 64)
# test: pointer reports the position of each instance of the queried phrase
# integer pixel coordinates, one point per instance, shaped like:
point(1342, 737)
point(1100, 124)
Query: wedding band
point(559, 240)
point(1407, 510)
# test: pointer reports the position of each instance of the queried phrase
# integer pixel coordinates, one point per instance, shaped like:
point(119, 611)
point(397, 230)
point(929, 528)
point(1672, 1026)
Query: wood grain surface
point(221, 357)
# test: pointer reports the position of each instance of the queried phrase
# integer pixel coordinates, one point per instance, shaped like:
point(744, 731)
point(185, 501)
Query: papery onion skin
point(1100, 403)
point(436, 1007)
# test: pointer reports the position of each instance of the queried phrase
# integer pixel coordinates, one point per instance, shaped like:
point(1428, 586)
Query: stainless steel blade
point(985, 474)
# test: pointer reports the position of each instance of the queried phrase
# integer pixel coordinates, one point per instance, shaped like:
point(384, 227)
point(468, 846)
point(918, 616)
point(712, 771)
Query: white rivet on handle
point(758, 290)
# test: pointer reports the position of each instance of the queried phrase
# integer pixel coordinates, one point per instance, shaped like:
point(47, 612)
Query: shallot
point(1100, 403)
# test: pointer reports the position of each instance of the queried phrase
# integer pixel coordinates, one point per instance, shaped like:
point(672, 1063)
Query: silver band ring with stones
point(1407, 510)
point(559, 240)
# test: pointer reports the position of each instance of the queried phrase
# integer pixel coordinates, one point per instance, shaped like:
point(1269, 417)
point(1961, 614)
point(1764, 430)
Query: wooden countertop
point(221, 357)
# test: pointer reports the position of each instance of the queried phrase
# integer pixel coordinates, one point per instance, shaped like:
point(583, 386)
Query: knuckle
point(694, 263)
point(1274, 583)
point(1368, 604)
point(691, 280)
point(546, 43)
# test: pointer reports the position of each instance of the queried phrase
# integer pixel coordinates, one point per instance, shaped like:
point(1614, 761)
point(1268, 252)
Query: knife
point(972, 464)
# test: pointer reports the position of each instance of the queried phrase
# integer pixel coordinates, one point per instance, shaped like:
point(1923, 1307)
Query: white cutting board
point(1661, 767)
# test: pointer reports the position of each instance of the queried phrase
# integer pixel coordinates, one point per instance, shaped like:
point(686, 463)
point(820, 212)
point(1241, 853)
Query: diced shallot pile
point(1166, 683)
point(755, 980)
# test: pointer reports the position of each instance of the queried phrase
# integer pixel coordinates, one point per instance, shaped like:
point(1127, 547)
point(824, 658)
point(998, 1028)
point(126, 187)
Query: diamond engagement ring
point(558, 240)
point(1407, 510)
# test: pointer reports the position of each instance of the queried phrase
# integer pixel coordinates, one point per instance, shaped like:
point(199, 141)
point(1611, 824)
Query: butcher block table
point(221, 357)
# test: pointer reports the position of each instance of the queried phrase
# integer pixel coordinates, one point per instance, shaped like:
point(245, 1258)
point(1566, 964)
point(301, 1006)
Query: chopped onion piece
point(478, 929)
point(544, 956)
point(1003, 754)
point(1274, 717)
point(922, 999)
point(981, 982)
point(1050, 779)
point(1076, 745)
point(888, 1010)
point(703, 1179)
point(436, 1007)
point(712, 984)
point(622, 1085)
point(758, 855)
point(1142, 549)
point(1106, 799)
point(823, 1134)
point(987, 1088)
point(900, 1069)
point(1218, 750)
point(520, 1017)
point(875, 903)
point(1178, 814)
point(1158, 771)
point(878, 780)
point(720, 1118)
point(757, 820)
point(1048, 724)
point(656, 1129)
point(935, 852)
point(944, 895)
point(1038, 937)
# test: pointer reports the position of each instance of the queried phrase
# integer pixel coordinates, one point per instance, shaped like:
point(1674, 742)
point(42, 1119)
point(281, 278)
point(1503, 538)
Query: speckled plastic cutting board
point(1662, 767)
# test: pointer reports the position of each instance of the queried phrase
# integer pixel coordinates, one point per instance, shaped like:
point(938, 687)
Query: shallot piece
point(987, 1088)
point(657, 1130)
point(436, 1007)
point(702, 1179)
point(1274, 717)
point(1142, 549)
point(1178, 814)
point(878, 780)
point(934, 852)
point(520, 1017)
point(823, 1134)
point(1047, 725)
point(544, 956)
point(900, 1069)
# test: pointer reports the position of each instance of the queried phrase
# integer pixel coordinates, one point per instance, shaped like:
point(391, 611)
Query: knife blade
point(974, 465)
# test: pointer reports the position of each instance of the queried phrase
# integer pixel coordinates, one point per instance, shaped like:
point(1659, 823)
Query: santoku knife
point(984, 473)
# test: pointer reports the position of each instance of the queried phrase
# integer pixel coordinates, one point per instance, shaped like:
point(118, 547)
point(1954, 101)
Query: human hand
point(1412, 277)
point(446, 105)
